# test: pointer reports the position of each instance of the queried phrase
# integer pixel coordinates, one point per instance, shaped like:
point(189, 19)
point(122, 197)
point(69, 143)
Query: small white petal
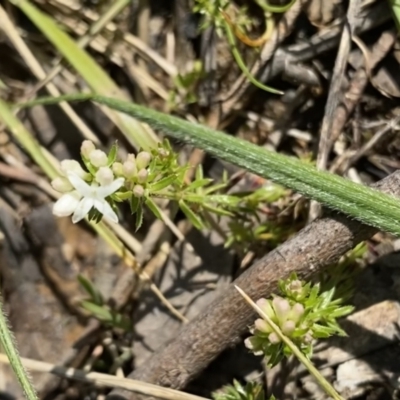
point(80, 185)
point(66, 204)
point(104, 208)
point(104, 191)
point(83, 208)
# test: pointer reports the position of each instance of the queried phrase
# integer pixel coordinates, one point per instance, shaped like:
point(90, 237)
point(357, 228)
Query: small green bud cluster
point(135, 171)
point(303, 315)
point(98, 163)
point(289, 318)
point(141, 179)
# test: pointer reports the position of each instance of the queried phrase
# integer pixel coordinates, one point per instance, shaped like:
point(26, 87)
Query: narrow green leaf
point(100, 312)
point(8, 344)
point(134, 203)
point(363, 203)
point(95, 295)
point(112, 155)
point(198, 183)
point(153, 208)
point(217, 210)
point(190, 215)
point(107, 316)
point(214, 188)
point(162, 183)
point(341, 312)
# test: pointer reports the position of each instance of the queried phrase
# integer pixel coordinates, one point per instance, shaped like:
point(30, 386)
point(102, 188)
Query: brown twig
point(316, 246)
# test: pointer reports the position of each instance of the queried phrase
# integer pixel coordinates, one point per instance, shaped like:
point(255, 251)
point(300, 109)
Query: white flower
point(80, 201)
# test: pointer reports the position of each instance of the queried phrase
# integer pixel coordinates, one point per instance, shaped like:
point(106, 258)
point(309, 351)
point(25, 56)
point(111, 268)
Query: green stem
point(365, 204)
point(238, 58)
point(274, 9)
point(8, 343)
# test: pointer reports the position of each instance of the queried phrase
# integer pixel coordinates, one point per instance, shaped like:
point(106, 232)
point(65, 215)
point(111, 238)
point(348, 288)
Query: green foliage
point(251, 391)
point(303, 313)
point(184, 92)
point(96, 307)
point(342, 275)
point(216, 14)
point(212, 13)
point(153, 175)
point(365, 204)
point(9, 346)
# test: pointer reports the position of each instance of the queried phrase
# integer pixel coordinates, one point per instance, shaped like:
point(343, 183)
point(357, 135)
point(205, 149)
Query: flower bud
point(86, 148)
point(295, 287)
point(288, 327)
point(98, 158)
point(282, 308)
point(142, 176)
point(62, 185)
point(117, 169)
point(254, 344)
point(143, 159)
point(163, 152)
point(265, 305)
point(73, 166)
point(262, 326)
point(296, 312)
point(129, 169)
point(138, 191)
point(104, 176)
point(274, 338)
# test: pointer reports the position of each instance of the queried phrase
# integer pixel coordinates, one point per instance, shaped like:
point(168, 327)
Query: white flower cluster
point(83, 191)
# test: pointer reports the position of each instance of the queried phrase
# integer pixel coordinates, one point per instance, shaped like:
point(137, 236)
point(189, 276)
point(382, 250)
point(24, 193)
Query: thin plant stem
point(301, 357)
point(8, 343)
point(238, 58)
point(365, 204)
